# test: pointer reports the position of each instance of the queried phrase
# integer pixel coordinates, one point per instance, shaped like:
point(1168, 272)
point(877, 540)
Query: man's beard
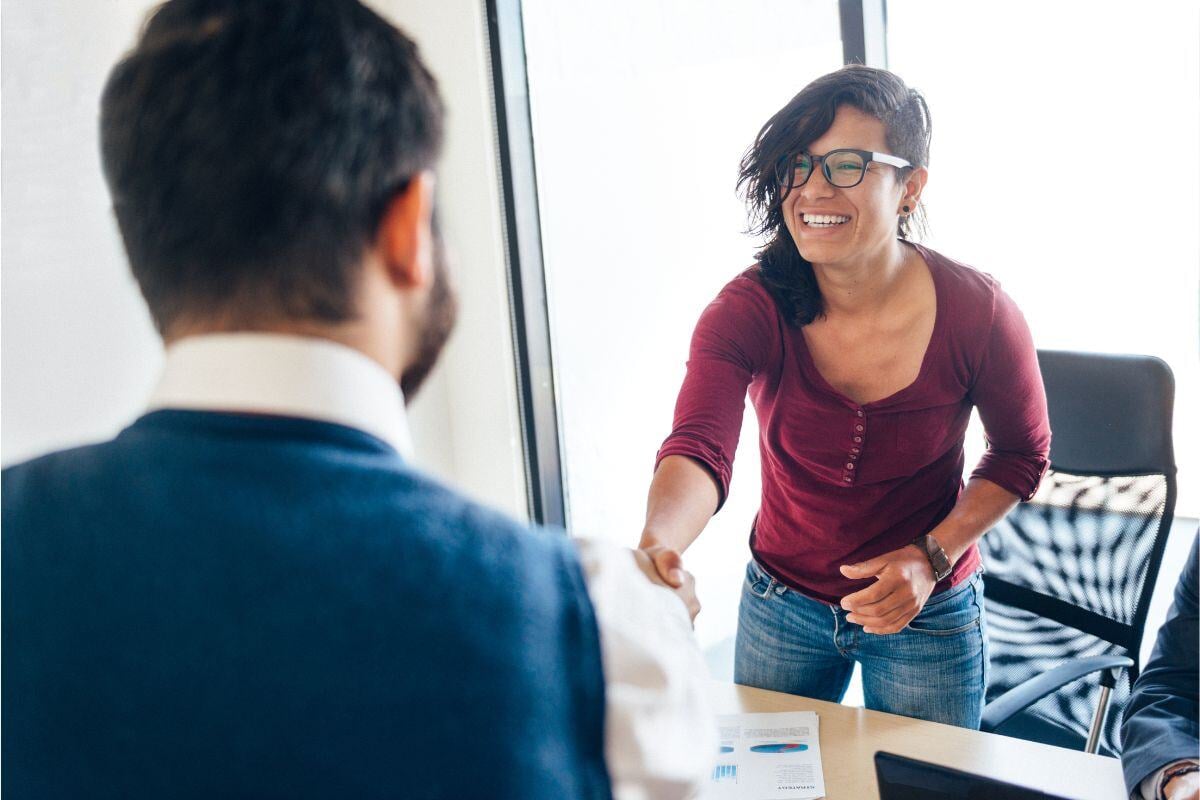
point(440, 316)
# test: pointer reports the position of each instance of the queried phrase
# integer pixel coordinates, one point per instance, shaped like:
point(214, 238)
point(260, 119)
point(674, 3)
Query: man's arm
point(1160, 724)
point(660, 734)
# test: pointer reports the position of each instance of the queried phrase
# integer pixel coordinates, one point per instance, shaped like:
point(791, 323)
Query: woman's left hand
point(903, 582)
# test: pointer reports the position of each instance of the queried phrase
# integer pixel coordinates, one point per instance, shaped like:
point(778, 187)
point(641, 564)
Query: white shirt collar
point(282, 375)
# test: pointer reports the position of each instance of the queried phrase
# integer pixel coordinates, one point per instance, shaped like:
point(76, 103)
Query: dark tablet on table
point(903, 778)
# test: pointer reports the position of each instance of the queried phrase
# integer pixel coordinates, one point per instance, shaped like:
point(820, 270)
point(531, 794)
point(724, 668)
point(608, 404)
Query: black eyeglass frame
point(867, 156)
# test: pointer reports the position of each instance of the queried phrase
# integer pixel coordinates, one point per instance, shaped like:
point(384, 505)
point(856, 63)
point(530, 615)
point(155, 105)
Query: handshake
point(664, 565)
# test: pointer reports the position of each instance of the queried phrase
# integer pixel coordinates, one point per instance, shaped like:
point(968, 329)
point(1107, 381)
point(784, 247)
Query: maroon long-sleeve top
point(843, 482)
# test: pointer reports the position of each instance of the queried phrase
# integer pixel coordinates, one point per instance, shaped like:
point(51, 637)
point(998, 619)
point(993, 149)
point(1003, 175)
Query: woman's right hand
point(664, 565)
point(668, 562)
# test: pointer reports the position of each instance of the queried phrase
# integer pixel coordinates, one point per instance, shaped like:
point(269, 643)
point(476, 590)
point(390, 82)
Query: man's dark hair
point(251, 148)
point(807, 116)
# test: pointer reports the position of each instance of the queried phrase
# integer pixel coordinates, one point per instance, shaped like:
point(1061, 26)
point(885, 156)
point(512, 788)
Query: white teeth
point(824, 219)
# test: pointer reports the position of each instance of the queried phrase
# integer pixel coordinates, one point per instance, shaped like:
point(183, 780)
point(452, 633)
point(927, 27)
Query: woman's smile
point(822, 223)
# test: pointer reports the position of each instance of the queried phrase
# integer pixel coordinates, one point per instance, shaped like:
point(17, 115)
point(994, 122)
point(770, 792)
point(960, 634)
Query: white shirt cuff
point(660, 735)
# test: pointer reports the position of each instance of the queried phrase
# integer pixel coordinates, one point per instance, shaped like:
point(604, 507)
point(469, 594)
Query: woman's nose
point(817, 186)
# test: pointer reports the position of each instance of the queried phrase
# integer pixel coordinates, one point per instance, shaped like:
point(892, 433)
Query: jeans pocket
point(757, 581)
point(923, 627)
point(955, 613)
point(953, 593)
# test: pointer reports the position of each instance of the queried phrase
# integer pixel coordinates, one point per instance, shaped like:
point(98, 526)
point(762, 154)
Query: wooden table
point(850, 737)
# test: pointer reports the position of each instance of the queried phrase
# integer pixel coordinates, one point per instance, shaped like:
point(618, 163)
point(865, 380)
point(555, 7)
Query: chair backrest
point(1070, 573)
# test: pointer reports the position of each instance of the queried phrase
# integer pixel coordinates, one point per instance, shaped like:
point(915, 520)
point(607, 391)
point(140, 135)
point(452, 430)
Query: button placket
point(857, 436)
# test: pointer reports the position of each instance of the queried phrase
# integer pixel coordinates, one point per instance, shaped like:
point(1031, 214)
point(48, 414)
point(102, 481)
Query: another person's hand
point(1183, 787)
point(903, 582)
point(663, 566)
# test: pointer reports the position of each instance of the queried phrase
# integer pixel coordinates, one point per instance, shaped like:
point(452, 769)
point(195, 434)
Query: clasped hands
point(903, 582)
point(663, 565)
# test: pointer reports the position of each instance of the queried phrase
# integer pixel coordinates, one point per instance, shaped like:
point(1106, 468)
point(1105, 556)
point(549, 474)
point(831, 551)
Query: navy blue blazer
point(1160, 723)
point(238, 605)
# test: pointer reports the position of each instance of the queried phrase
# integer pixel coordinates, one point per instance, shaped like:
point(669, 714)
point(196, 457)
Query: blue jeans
point(934, 669)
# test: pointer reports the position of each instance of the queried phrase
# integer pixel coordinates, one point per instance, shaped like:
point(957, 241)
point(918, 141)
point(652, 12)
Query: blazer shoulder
point(451, 521)
point(38, 476)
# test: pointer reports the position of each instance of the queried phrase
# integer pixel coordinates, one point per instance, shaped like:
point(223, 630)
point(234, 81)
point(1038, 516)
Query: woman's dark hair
point(807, 116)
point(251, 148)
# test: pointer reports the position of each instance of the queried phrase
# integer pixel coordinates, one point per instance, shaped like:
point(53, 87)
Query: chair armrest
point(1023, 696)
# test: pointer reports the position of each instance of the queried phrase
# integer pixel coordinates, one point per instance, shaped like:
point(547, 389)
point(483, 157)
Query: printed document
point(768, 757)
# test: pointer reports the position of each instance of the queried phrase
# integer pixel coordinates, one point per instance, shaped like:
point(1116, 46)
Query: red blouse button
point(858, 428)
point(853, 457)
point(857, 439)
point(860, 413)
point(855, 450)
point(848, 479)
point(849, 465)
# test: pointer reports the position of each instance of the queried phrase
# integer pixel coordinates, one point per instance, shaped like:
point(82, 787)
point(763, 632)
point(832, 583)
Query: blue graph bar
point(725, 772)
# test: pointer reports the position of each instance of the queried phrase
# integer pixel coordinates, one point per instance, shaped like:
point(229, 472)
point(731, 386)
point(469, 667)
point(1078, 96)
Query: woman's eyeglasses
point(843, 168)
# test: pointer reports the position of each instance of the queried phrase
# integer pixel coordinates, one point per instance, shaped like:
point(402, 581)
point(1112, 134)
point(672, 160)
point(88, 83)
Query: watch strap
point(939, 562)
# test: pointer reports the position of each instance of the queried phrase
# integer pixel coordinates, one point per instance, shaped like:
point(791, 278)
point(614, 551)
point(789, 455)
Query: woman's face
point(865, 214)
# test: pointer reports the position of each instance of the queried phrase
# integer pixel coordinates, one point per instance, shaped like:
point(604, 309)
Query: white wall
point(78, 354)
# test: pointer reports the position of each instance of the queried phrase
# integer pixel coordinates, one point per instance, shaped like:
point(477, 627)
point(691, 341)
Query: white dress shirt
point(659, 733)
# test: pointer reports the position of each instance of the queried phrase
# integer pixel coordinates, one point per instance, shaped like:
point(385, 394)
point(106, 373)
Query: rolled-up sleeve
point(1011, 400)
point(731, 343)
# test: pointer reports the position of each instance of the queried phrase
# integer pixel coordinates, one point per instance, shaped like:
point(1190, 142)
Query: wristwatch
point(1182, 768)
point(936, 555)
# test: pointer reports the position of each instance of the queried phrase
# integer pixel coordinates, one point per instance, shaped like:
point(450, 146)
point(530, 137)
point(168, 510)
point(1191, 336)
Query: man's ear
point(404, 239)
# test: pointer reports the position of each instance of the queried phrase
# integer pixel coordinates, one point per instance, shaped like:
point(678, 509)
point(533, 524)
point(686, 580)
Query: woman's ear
point(404, 239)
point(913, 186)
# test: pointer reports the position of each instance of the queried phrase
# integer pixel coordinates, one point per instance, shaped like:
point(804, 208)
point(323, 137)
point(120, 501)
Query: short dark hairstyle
point(807, 116)
point(251, 148)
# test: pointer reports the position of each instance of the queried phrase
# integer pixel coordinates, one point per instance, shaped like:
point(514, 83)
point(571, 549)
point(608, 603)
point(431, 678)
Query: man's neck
point(353, 334)
point(289, 374)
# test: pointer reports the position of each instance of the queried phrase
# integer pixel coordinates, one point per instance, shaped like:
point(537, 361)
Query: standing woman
point(863, 354)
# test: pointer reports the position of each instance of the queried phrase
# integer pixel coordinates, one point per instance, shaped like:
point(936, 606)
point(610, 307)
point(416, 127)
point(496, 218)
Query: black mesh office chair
point(1069, 575)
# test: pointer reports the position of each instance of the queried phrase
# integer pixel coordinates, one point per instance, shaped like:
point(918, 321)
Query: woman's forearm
point(980, 506)
point(683, 497)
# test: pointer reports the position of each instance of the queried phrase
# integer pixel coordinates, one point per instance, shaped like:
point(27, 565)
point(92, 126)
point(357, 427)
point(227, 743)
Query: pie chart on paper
point(779, 747)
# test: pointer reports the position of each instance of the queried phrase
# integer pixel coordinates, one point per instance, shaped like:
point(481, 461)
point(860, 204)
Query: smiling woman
point(854, 343)
point(874, 106)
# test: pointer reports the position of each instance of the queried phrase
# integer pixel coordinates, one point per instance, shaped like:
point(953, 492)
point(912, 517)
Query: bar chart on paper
point(768, 756)
point(725, 773)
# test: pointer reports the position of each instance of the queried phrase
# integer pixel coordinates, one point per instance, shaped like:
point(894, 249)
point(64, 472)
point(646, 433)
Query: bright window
point(1065, 163)
point(641, 112)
